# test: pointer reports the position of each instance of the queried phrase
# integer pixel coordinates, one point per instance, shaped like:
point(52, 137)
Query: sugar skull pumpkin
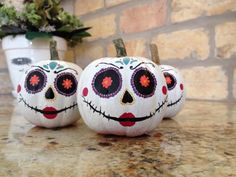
point(122, 95)
point(175, 85)
point(47, 92)
point(176, 90)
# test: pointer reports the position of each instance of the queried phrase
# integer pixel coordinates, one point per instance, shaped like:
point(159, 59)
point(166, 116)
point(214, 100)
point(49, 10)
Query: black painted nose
point(127, 98)
point(49, 93)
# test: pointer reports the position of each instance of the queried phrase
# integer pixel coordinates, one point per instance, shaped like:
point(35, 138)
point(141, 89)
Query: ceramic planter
point(21, 53)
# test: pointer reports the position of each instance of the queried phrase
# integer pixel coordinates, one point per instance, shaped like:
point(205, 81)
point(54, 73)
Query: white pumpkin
point(176, 90)
point(122, 96)
point(47, 93)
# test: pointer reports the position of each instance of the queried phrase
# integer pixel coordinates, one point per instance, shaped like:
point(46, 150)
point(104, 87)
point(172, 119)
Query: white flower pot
point(21, 53)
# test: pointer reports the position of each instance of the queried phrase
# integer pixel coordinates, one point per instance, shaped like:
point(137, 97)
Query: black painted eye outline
point(68, 92)
point(43, 81)
point(21, 61)
point(119, 81)
point(133, 80)
point(172, 86)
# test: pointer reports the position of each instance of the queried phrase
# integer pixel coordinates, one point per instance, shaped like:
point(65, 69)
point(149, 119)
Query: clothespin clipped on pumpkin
point(174, 82)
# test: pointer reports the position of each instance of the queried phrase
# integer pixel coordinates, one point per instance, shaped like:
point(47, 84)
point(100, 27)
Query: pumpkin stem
point(120, 47)
point(53, 50)
point(154, 54)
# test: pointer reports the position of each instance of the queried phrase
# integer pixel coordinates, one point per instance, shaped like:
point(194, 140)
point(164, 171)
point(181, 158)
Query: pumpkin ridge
point(172, 104)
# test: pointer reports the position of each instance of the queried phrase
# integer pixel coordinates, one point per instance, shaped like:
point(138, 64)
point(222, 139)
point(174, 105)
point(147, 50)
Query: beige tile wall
point(198, 37)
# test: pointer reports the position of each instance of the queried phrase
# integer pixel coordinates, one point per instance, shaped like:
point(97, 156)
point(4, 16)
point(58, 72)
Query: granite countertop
point(200, 141)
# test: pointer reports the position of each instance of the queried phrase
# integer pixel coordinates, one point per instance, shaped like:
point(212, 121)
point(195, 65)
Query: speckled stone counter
point(200, 141)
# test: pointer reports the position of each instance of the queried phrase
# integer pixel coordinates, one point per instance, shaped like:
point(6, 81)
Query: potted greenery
point(26, 34)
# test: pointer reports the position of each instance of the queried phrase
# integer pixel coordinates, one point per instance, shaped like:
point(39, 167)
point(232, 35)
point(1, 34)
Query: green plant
point(41, 18)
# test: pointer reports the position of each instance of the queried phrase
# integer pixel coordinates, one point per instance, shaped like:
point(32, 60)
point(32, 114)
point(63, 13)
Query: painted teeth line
point(172, 104)
point(94, 109)
point(43, 112)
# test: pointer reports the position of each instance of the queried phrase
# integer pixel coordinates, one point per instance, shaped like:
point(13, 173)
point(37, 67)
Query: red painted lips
point(50, 112)
point(127, 115)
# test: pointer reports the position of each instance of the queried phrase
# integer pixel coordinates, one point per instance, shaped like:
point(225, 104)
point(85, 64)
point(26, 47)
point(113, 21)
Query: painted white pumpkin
point(176, 90)
point(122, 96)
point(47, 92)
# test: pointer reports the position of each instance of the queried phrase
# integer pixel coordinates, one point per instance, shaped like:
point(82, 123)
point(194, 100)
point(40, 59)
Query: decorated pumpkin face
point(122, 96)
point(47, 93)
point(176, 90)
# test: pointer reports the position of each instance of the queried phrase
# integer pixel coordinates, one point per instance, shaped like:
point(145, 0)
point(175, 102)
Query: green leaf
point(33, 35)
point(66, 28)
point(41, 19)
point(82, 34)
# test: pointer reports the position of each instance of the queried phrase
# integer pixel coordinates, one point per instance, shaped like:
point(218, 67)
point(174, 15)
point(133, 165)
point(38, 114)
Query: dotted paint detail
point(147, 81)
point(170, 80)
point(35, 81)
point(107, 82)
point(66, 84)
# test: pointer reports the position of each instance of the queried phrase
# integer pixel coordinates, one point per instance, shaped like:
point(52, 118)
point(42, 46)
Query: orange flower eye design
point(34, 80)
point(144, 81)
point(106, 82)
point(67, 83)
point(168, 80)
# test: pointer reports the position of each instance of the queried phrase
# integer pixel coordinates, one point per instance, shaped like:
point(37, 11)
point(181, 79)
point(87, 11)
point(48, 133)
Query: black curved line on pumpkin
point(45, 112)
point(121, 67)
point(41, 68)
point(174, 103)
point(136, 119)
point(56, 72)
point(133, 68)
